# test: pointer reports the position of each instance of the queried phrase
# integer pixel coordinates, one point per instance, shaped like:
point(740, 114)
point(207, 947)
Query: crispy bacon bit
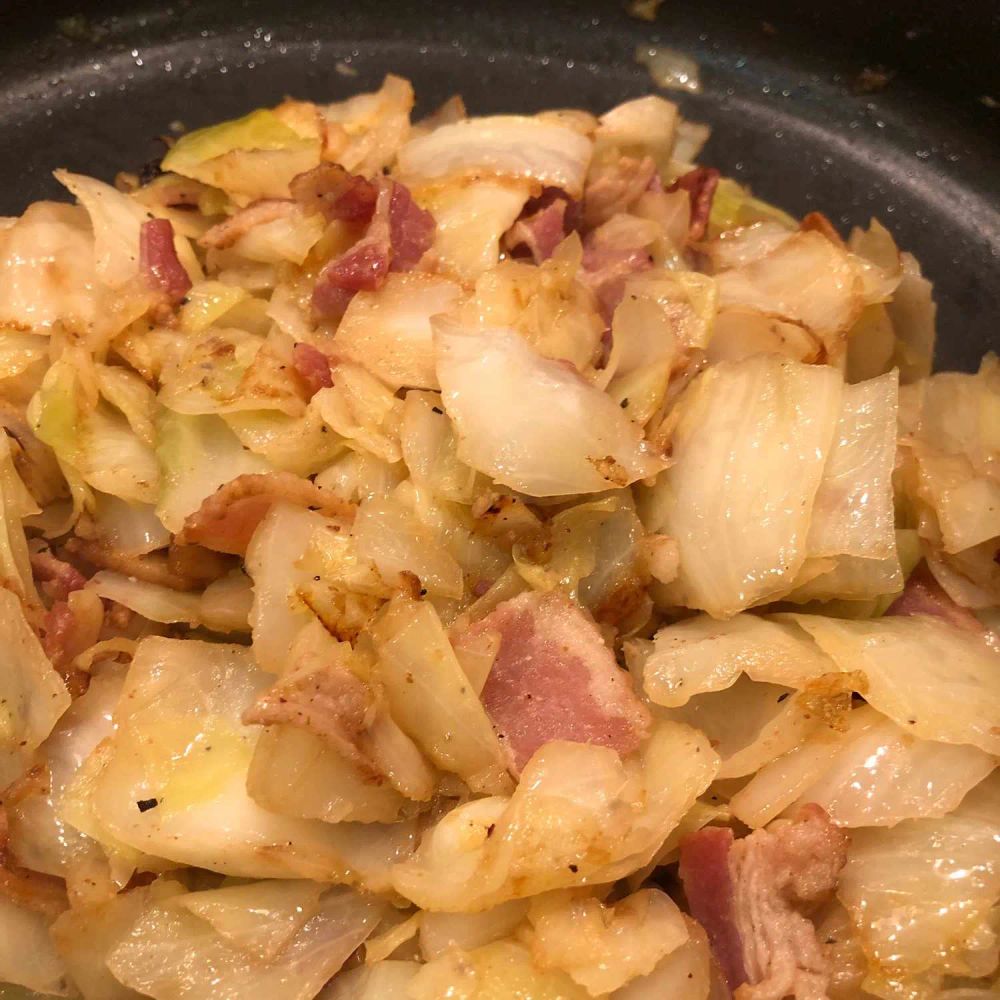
point(158, 260)
point(57, 579)
point(330, 702)
point(700, 185)
point(399, 234)
point(608, 262)
point(224, 234)
point(554, 679)
point(176, 569)
point(34, 891)
point(615, 186)
point(330, 190)
point(817, 222)
point(226, 521)
point(312, 366)
point(923, 595)
point(750, 894)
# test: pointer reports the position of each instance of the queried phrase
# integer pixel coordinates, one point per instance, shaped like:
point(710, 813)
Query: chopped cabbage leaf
point(27, 955)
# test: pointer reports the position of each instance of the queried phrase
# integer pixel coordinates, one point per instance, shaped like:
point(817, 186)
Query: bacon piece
point(399, 234)
point(923, 595)
point(58, 579)
point(538, 234)
point(226, 521)
point(615, 186)
point(68, 628)
point(554, 679)
point(700, 185)
point(335, 193)
point(158, 260)
point(224, 234)
point(611, 255)
point(773, 875)
point(313, 367)
point(708, 884)
point(411, 229)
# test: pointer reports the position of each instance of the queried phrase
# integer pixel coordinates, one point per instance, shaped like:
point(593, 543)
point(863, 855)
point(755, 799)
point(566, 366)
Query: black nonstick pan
point(851, 107)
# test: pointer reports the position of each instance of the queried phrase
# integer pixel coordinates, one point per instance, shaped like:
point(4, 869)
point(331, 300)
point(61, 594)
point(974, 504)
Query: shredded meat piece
point(542, 225)
point(608, 264)
point(68, 628)
point(554, 678)
point(56, 578)
point(226, 521)
point(331, 702)
point(158, 260)
point(224, 234)
point(399, 234)
point(30, 889)
point(335, 193)
point(754, 892)
point(923, 595)
point(615, 186)
point(700, 185)
point(178, 570)
point(313, 367)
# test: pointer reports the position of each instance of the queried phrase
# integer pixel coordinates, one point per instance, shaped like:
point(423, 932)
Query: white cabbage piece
point(807, 279)
point(47, 271)
point(493, 972)
point(130, 528)
point(442, 932)
point(117, 221)
point(645, 126)
point(364, 132)
point(853, 511)
point(390, 534)
point(92, 439)
point(702, 654)
point(27, 955)
point(180, 744)
point(579, 815)
point(508, 146)
point(222, 607)
point(749, 446)
point(604, 946)
point(16, 503)
point(289, 238)
point(430, 450)
point(249, 158)
point(431, 698)
point(363, 411)
point(84, 936)
point(871, 773)
point(32, 695)
point(532, 423)
point(387, 980)
point(227, 946)
point(389, 331)
point(684, 974)
point(937, 681)
point(40, 837)
point(922, 896)
point(471, 217)
point(197, 455)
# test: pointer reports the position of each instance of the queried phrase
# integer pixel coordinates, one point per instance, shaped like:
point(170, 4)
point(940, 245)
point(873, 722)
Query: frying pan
point(914, 141)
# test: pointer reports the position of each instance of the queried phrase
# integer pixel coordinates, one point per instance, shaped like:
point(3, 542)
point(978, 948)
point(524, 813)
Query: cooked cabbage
point(27, 955)
point(531, 423)
point(749, 447)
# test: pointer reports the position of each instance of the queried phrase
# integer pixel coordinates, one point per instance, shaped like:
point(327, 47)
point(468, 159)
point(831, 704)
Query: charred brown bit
point(506, 518)
point(227, 519)
point(817, 222)
point(182, 567)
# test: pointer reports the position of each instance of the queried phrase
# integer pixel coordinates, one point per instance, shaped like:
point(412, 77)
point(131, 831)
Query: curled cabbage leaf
point(32, 695)
point(363, 411)
point(937, 681)
point(684, 974)
point(645, 126)
point(510, 146)
point(871, 773)
point(389, 331)
point(16, 503)
point(579, 815)
point(532, 423)
point(441, 932)
point(749, 447)
point(921, 894)
point(602, 947)
point(243, 942)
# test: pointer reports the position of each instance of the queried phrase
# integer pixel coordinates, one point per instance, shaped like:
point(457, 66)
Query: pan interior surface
point(913, 142)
